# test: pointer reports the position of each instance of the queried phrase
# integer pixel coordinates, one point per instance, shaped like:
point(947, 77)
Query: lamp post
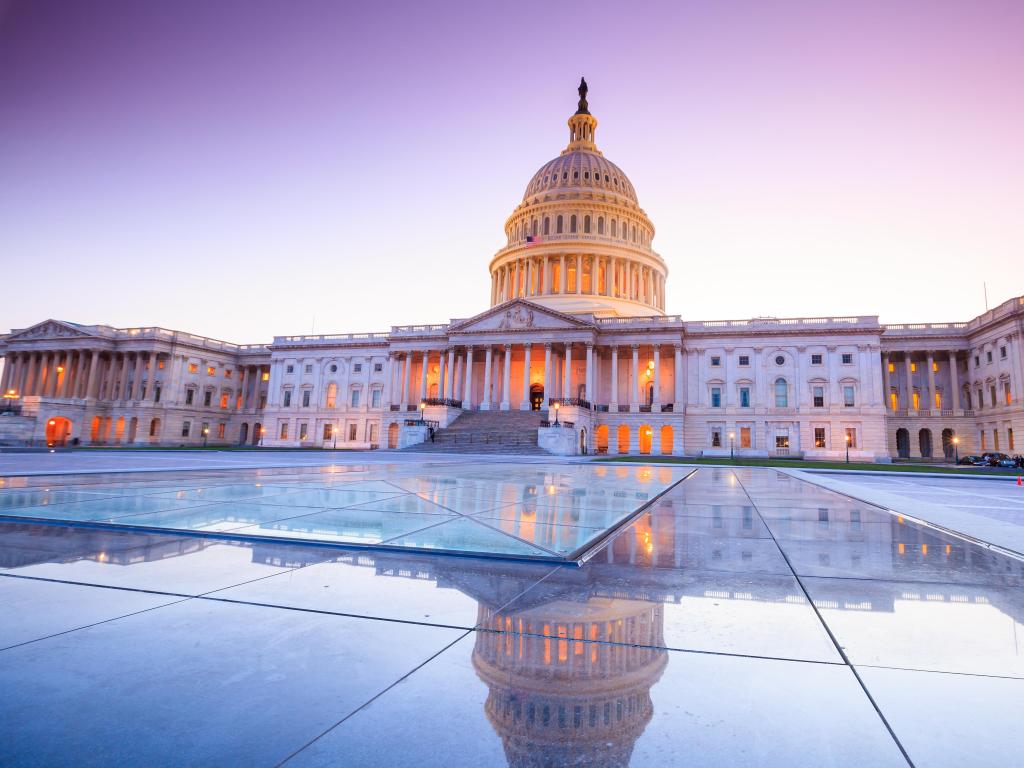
point(956, 449)
point(206, 431)
point(732, 438)
point(9, 397)
point(847, 448)
point(423, 410)
point(555, 406)
point(334, 434)
point(263, 431)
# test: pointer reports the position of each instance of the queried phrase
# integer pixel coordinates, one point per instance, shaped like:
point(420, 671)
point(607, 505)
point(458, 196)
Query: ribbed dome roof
point(580, 171)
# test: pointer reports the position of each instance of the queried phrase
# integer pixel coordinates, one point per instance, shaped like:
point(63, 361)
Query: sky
point(248, 169)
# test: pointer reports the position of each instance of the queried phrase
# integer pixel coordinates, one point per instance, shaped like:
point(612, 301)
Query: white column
point(613, 400)
point(657, 380)
point(910, 383)
point(579, 275)
point(449, 371)
point(954, 382)
point(931, 381)
point(588, 378)
point(634, 394)
point(547, 375)
point(886, 397)
point(485, 399)
point(506, 376)
point(561, 276)
point(677, 379)
point(405, 380)
point(467, 390)
point(567, 373)
point(524, 405)
point(423, 377)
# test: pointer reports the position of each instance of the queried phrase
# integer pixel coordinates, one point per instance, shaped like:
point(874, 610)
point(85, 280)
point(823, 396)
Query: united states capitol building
point(576, 334)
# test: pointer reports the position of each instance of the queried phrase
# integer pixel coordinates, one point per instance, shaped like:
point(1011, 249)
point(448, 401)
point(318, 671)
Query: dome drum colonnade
point(580, 232)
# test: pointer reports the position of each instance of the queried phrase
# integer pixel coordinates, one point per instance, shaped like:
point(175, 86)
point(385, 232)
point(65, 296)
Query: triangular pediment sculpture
point(519, 315)
point(50, 329)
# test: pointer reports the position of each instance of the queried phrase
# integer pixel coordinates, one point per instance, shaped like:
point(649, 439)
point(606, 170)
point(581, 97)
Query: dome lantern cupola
point(582, 125)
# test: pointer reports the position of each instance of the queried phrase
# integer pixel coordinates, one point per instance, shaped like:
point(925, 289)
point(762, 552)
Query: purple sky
point(236, 169)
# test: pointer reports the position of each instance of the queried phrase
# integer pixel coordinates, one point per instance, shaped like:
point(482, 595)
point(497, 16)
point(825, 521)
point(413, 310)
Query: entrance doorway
point(58, 432)
point(536, 397)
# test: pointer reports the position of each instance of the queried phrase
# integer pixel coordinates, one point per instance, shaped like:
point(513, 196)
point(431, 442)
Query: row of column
point(80, 373)
point(906, 399)
point(455, 378)
point(616, 277)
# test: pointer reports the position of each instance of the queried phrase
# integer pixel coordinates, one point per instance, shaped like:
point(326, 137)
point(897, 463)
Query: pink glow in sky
point(236, 169)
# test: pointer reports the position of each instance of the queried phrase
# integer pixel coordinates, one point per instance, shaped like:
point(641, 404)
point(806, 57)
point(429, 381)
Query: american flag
point(533, 239)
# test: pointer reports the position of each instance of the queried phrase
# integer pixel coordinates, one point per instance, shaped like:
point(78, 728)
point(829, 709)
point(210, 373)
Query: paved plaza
point(733, 617)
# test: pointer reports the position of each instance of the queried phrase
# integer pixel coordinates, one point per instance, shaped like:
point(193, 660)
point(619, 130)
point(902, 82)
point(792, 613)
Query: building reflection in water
point(569, 663)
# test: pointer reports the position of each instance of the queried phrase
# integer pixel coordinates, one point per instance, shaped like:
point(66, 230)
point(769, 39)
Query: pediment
point(50, 329)
point(519, 315)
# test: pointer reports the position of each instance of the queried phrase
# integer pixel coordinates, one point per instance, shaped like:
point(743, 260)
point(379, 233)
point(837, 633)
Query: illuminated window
point(221, 429)
point(894, 399)
point(935, 367)
point(913, 367)
point(819, 437)
point(211, 370)
point(193, 367)
point(744, 437)
point(782, 441)
point(227, 373)
point(303, 431)
point(328, 431)
point(983, 439)
point(892, 367)
point(917, 401)
point(224, 400)
point(1006, 393)
point(266, 376)
point(938, 400)
point(283, 430)
point(160, 364)
point(851, 437)
point(332, 395)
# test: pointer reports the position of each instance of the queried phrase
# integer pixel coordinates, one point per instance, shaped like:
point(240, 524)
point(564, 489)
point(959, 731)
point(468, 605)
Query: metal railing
point(570, 402)
point(560, 423)
point(443, 401)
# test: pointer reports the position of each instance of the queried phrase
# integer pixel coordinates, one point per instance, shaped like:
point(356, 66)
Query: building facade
point(576, 329)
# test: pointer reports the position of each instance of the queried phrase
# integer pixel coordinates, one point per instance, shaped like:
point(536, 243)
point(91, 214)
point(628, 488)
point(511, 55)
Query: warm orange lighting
point(956, 441)
point(949, 548)
point(52, 422)
point(924, 549)
point(847, 438)
point(902, 548)
point(60, 369)
point(899, 519)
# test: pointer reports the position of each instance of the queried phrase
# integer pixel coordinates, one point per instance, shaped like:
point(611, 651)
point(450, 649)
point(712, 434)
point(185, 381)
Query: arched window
point(572, 223)
point(558, 225)
point(547, 225)
point(634, 233)
point(575, 175)
point(781, 393)
point(614, 234)
point(534, 227)
point(586, 224)
point(332, 395)
point(600, 225)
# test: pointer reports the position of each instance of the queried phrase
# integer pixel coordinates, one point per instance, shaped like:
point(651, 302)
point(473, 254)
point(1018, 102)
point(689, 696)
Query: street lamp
point(206, 431)
point(334, 434)
point(263, 431)
point(732, 453)
point(555, 406)
point(956, 448)
point(847, 447)
point(423, 409)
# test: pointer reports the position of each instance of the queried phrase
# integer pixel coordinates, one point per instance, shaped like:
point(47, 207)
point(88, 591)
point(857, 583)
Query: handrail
point(571, 402)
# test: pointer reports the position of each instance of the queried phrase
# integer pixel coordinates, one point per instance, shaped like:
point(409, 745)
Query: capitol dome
point(579, 241)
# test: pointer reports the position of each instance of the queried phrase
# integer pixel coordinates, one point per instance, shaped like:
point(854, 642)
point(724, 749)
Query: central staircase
point(498, 432)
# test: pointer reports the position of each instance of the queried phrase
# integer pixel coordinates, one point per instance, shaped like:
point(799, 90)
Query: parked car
point(1007, 462)
point(993, 459)
point(973, 461)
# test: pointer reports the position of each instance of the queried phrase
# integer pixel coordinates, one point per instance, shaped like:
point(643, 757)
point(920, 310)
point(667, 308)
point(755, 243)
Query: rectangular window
point(855, 519)
point(266, 376)
point(715, 361)
point(378, 367)
point(328, 431)
point(160, 364)
point(977, 361)
point(894, 400)
point(193, 368)
point(938, 399)
point(227, 373)
point(303, 430)
point(983, 440)
point(186, 427)
point(211, 370)
point(1002, 352)
point(935, 367)
point(782, 441)
point(1006, 393)
point(305, 398)
point(716, 438)
point(190, 396)
point(848, 401)
point(221, 430)
point(816, 359)
point(224, 400)
point(287, 398)
point(308, 368)
point(351, 431)
point(357, 368)
point(744, 437)
point(819, 437)
point(851, 437)
point(995, 439)
point(375, 398)
point(744, 360)
point(156, 395)
point(988, 356)
point(289, 369)
point(892, 367)
point(847, 358)
point(1009, 438)
point(819, 397)
point(355, 399)
point(913, 367)
point(823, 517)
point(992, 394)
point(205, 429)
point(716, 397)
point(917, 401)
point(744, 397)
point(208, 399)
